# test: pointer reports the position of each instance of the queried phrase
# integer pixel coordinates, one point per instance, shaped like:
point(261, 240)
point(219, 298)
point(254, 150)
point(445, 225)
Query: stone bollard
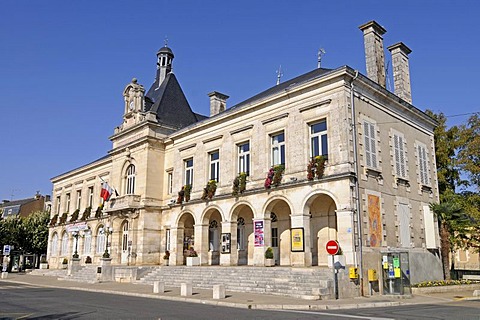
point(476, 293)
point(219, 291)
point(158, 287)
point(186, 289)
point(4, 275)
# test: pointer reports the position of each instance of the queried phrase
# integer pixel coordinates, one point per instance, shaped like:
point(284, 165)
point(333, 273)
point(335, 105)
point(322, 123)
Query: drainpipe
point(358, 251)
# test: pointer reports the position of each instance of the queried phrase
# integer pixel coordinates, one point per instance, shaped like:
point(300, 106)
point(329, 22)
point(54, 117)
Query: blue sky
point(64, 64)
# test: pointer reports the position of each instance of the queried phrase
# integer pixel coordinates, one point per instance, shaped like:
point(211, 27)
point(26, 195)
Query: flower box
point(193, 261)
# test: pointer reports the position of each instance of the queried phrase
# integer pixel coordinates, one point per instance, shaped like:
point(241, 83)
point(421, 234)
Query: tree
point(451, 217)
point(36, 232)
point(469, 150)
point(446, 143)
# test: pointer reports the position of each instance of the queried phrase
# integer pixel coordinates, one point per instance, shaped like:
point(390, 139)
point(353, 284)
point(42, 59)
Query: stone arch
point(243, 238)
point(277, 214)
point(185, 236)
point(211, 228)
point(321, 207)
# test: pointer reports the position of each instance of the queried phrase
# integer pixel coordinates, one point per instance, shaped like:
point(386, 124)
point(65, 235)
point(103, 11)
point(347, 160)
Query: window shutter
point(366, 128)
point(403, 172)
point(397, 154)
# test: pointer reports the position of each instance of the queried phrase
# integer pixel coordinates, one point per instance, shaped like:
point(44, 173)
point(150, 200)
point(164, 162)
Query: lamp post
point(106, 231)
point(76, 234)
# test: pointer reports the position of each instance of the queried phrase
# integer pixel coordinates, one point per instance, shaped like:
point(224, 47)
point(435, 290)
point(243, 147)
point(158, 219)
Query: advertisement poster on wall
point(259, 236)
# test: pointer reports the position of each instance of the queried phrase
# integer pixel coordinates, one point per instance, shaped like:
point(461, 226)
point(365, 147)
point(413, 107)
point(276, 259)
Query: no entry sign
point(332, 247)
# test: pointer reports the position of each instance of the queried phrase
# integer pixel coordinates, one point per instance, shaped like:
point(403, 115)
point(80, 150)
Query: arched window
point(100, 241)
point(130, 180)
point(87, 242)
point(54, 247)
point(64, 249)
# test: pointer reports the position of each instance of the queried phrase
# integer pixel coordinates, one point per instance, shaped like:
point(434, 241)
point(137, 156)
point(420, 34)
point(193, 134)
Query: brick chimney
point(218, 102)
point(374, 55)
point(401, 71)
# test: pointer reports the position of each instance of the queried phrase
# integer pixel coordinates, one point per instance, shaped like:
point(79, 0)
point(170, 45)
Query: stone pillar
point(107, 270)
point(259, 251)
point(176, 252)
point(302, 259)
point(229, 259)
point(218, 291)
point(73, 266)
point(345, 234)
point(401, 70)
point(374, 55)
point(201, 242)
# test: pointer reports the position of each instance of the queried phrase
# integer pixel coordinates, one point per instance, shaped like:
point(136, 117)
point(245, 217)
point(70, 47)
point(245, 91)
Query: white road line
point(337, 315)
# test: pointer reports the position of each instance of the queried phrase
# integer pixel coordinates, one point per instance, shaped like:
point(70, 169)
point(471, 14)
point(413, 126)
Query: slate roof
point(170, 105)
point(16, 203)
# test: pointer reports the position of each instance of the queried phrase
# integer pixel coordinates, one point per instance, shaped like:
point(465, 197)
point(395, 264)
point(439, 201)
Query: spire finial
point(166, 41)
point(320, 54)
point(279, 74)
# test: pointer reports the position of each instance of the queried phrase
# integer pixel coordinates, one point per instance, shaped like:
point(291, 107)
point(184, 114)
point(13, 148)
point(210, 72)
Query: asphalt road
point(31, 302)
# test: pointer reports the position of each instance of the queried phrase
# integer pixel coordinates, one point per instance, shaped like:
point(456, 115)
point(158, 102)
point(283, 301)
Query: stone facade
point(372, 197)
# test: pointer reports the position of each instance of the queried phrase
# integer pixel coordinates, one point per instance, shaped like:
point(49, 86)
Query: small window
point(58, 205)
point(214, 166)
point(67, 209)
point(244, 158)
point(188, 172)
point(79, 199)
point(278, 149)
point(318, 138)
point(90, 197)
point(170, 183)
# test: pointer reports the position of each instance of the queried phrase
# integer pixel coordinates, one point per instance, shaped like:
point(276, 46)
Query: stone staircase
point(305, 283)
point(49, 272)
point(86, 274)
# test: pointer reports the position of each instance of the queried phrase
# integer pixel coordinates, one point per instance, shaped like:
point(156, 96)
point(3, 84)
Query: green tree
point(446, 143)
point(12, 232)
point(451, 217)
point(36, 232)
point(469, 150)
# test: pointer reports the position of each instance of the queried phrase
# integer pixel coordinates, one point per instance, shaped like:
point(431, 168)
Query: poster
point(226, 243)
point(374, 221)
point(297, 242)
point(259, 234)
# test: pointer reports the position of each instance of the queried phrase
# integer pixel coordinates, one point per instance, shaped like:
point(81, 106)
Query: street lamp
point(106, 231)
point(76, 234)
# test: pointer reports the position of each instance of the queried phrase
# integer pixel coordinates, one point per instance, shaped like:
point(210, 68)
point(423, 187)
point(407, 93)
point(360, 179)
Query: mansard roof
point(168, 102)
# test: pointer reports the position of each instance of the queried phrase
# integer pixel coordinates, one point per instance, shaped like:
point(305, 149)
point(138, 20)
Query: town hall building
point(328, 155)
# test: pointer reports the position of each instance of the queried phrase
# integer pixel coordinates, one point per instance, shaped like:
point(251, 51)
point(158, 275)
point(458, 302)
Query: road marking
point(339, 315)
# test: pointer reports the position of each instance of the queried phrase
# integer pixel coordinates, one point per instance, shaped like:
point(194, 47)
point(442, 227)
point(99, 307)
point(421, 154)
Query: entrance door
point(125, 246)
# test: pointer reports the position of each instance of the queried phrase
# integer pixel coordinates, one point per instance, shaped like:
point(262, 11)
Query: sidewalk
point(238, 299)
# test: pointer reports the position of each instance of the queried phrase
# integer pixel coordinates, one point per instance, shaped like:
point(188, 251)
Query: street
point(35, 302)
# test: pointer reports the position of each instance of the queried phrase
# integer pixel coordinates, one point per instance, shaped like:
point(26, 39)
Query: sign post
point(332, 248)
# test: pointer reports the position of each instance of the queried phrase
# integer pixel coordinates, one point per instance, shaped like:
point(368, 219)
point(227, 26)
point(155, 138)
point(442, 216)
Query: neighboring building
point(373, 197)
point(24, 207)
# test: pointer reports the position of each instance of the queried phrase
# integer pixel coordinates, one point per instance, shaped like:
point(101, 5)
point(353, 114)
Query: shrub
point(269, 253)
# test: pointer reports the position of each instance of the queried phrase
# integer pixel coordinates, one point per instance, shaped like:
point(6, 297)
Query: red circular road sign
point(332, 247)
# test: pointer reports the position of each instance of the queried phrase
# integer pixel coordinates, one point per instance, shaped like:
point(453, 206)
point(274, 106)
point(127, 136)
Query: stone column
point(345, 234)
point(201, 242)
point(176, 247)
point(229, 259)
point(302, 259)
point(73, 266)
point(107, 270)
point(259, 252)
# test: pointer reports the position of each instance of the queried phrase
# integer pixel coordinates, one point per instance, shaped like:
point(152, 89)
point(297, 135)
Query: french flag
point(106, 192)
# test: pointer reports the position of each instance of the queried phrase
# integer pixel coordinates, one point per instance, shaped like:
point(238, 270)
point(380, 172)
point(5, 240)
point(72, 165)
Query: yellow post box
point(353, 273)
point(372, 275)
